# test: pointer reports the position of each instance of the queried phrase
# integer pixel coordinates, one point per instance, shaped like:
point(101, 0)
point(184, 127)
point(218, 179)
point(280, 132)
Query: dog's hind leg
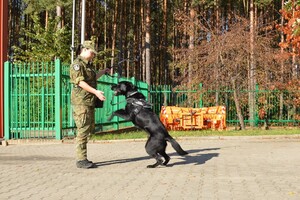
point(158, 161)
point(166, 157)
point(151, 149)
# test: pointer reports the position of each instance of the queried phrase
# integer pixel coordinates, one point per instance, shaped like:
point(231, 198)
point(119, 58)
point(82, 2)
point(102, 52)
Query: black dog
point(139, 111)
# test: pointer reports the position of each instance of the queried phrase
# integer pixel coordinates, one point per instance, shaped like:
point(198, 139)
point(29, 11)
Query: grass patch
point(198, 133)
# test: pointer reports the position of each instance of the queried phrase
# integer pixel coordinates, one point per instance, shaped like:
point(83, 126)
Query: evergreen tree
point(40, 43)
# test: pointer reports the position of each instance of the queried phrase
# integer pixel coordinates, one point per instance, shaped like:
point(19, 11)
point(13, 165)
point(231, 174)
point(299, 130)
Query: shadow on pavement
point(188, 159)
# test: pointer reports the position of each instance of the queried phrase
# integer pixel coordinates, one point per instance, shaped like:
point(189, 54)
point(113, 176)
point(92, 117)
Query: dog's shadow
point(197, 159)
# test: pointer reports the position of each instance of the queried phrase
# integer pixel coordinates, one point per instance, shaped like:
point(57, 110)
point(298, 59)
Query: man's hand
point(100, 95)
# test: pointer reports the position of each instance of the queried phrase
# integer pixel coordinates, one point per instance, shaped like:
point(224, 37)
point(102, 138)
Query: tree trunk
point(93, 17)
point(282, 67)
point(58, 14)
point(136, 39)
point(105, 33)
point(237, 104)
point(164, 48)
point(121, 20)
point(46, 19)
point(191, 49)
point(147, 42)
point(143, 41)
point(292, 111)
point(218, 55)
point(252, 68)
point(113, 44)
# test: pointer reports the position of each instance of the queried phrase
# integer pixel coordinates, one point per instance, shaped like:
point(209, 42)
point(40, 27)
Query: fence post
point(256, 117)
point(58, 107)
point(7, 100)
point(43, 108)
point(201, 96)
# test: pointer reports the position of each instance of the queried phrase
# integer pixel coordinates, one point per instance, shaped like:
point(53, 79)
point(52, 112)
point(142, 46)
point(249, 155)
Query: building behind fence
point(37, 102)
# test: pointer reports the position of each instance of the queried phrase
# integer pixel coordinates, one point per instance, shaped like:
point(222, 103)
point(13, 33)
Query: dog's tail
point(176, 146)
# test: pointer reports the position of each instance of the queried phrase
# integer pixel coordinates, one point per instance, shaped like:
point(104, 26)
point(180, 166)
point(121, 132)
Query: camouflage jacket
point(82, 70)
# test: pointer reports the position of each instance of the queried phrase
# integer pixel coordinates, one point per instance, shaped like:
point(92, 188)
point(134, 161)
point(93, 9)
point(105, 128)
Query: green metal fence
point(278, 112)
point(37, 101)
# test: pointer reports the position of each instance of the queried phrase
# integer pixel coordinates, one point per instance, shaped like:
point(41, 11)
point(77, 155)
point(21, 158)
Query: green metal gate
point(37, 101)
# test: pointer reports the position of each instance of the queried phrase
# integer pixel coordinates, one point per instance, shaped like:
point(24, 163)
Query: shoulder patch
point(76, 67)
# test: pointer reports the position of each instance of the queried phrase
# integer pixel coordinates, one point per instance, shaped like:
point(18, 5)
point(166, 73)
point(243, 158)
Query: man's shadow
point(197, 159)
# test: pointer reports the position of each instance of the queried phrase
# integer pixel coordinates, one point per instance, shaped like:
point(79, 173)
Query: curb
point(72, 141)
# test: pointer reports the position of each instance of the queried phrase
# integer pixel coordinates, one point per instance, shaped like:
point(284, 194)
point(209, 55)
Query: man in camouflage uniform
point(83, 97)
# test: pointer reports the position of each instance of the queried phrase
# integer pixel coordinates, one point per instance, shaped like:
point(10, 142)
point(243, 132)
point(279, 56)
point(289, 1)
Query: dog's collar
point(133, 93)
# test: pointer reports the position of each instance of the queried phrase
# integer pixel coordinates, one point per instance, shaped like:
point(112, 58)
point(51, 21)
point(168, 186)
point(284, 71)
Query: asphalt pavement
point(262, 168)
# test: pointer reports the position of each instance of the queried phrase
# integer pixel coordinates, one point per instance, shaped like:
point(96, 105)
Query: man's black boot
point(84, 164)
point(89, 161)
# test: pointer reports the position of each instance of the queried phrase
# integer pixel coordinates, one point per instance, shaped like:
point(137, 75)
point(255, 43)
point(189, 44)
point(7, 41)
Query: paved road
point(240, 168)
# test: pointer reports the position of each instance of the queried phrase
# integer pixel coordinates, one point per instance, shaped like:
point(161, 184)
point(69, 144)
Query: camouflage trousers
point(84, 117)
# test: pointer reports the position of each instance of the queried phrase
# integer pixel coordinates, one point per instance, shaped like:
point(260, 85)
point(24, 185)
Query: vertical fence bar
point(22, 100)
point(21, 97)
point(18, 80)
point(201, 96)
point(32, 83)
point(45, 71)
point(17, 105)
point(52, 93)
point(3, 57)
point(7, 100)
point(256, 117)
point(14, 115)
point(43, 99)
point(39, 98)
point(43, 105)
point(27, 96)
point(58, 108)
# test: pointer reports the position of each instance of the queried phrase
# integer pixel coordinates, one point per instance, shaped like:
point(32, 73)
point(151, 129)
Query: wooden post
point(3, 56)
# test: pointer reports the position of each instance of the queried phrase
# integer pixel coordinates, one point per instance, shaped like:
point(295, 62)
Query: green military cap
point(89, 45)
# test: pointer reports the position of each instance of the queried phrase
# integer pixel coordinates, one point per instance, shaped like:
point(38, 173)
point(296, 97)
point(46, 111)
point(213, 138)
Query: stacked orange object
point(182, 118)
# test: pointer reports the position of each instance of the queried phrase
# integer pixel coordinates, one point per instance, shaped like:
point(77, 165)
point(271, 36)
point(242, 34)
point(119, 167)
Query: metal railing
point(37, 101)
point(277, 105)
